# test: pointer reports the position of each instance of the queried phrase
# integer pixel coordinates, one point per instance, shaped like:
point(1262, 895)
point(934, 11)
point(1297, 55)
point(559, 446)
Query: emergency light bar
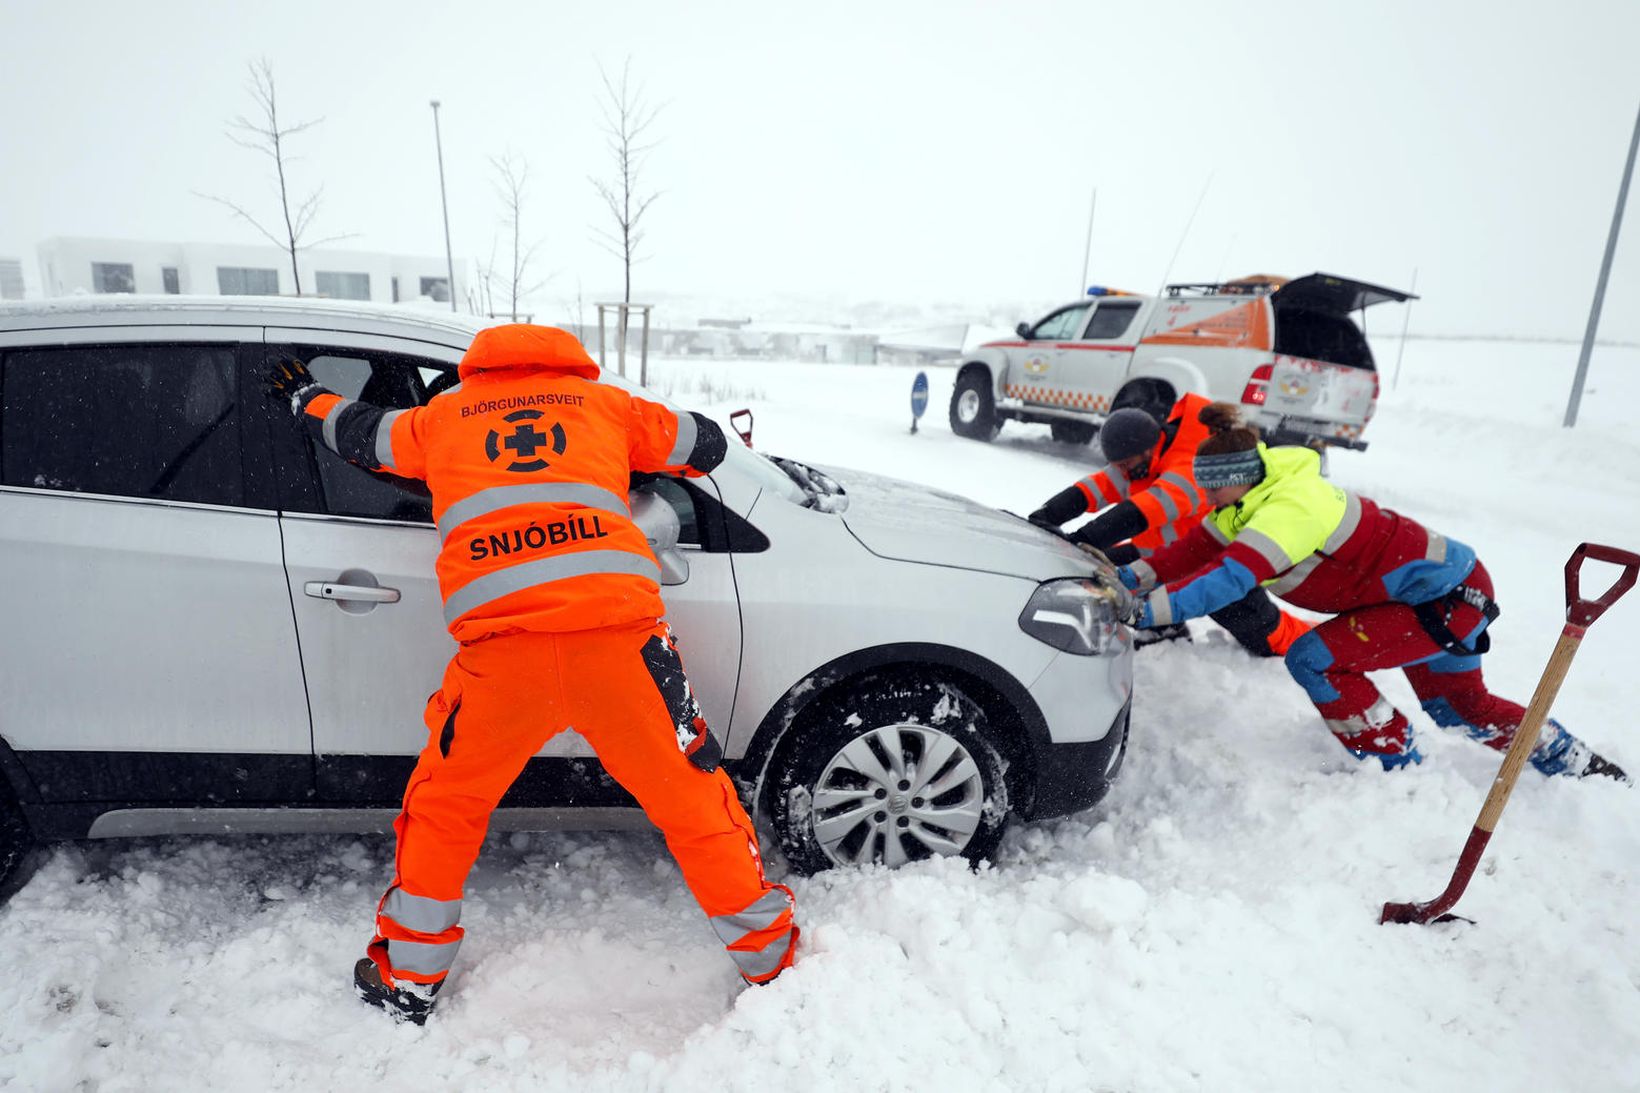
point(1101, 290)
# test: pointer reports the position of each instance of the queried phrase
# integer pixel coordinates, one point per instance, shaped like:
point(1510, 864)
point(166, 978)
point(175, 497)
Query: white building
point(75, 265)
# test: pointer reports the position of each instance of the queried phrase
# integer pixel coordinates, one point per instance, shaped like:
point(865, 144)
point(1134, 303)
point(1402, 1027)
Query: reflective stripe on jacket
point(1314, 545)
point(528, 461)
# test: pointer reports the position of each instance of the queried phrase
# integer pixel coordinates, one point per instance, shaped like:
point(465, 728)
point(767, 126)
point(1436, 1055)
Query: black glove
point(289, 378)
point(1067, 504)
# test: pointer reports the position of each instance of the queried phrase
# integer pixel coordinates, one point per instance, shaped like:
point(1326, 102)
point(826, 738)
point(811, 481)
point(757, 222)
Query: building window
point(436, 287)
point(344, 286)
point(168, 275)
point(239, 281)
point(113, 277)
point(395, 290)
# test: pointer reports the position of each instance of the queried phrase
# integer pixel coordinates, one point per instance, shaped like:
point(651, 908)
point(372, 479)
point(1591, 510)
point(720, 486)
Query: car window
point(1063, 323)
point(387, 380)
point(148, 421)
point(1111, 320)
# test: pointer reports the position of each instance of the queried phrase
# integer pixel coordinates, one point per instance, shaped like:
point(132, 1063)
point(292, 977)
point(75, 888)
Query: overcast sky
point(913, 152)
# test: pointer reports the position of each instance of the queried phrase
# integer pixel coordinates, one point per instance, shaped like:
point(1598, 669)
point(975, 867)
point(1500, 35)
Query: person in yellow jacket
point(554, 596)
point(1403, 596)
point(1147, 498)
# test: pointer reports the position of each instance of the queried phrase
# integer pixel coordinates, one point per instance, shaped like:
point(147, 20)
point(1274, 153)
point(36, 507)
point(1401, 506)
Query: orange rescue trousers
point(623, 689)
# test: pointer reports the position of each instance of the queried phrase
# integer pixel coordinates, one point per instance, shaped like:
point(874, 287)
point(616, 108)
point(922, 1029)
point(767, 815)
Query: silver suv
point(215, 626)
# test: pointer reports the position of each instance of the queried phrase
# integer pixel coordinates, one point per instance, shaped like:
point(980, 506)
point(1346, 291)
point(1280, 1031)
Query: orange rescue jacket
point(1168, 496)
point(528, 459)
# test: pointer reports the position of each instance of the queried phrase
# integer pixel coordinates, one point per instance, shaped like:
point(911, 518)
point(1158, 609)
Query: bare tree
point(511, 176)
point(266, 135)
point(627, 119)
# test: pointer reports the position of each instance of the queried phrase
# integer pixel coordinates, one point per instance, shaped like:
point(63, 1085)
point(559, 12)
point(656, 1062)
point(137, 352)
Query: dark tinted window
point(136, 421)
point(391, 382)
point(1110, 321)
point(1321, 337)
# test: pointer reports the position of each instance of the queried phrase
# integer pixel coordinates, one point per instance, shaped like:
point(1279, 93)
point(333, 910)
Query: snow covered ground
point(1212, 925)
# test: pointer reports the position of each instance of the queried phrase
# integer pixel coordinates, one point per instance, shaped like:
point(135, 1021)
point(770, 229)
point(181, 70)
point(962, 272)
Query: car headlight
point(1080, 615)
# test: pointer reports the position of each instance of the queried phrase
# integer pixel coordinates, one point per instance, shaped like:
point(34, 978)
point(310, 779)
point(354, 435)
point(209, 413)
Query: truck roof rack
point(1258, 285)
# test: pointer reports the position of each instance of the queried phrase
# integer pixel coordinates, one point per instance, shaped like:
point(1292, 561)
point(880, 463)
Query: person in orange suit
point(553, 595)
point(1147, 498)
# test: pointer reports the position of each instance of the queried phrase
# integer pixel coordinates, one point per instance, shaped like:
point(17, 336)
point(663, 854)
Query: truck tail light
point(1258, 385)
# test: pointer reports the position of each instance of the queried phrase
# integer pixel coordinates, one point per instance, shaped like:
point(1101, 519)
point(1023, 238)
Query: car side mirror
point(1023, 330)
point(660, 526)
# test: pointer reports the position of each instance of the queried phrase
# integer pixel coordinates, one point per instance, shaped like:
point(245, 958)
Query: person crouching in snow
point(1147, 497)
point(554, 596)
point(1404, 596)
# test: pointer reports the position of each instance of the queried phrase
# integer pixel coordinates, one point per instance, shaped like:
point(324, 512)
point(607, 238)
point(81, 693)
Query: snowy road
point(1212, 925)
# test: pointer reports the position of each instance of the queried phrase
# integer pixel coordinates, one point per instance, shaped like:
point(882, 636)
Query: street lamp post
point(444, 200)
point(1600, 283)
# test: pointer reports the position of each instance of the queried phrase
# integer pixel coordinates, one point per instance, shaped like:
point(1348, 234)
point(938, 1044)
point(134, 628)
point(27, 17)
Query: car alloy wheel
point(898, 792)
point(968, 406)
point(892, 772)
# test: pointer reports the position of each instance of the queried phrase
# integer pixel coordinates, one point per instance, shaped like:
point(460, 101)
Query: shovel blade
point(1419, 914)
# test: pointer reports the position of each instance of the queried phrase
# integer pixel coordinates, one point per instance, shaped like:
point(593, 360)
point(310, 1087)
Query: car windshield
point(766, 473)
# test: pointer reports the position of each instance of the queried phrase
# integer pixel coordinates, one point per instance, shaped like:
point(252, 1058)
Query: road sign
point(919, 398)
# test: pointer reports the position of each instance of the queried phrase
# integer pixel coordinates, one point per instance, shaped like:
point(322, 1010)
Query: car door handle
point(329, 590)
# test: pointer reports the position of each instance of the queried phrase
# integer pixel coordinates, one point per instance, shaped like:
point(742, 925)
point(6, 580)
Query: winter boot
point(1558, 752)
point(409, 1002)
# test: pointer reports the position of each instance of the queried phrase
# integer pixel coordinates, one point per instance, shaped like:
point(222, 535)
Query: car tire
point(846, 789)
point(1072, 432)
point(973, 406)
point(16, 841)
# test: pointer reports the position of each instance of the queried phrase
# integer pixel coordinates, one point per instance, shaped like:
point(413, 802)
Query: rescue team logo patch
point(524, 441)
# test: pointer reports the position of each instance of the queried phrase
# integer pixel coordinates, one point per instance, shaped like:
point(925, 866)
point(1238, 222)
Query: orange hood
point(524, 347)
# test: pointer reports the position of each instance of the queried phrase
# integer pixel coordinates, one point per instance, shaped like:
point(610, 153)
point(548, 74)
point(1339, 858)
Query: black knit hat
point(1128, 432)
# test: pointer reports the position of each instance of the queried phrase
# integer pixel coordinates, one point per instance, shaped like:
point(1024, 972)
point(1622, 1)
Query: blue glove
point(1145, 620)
point(1129, 580)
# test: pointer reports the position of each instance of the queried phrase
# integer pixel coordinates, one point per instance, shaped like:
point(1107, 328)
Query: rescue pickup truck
point(1288, 349)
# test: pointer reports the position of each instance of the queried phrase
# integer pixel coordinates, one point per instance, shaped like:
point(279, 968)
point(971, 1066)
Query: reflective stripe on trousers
point(740, 932)
point(420, 957)
point(419, 913)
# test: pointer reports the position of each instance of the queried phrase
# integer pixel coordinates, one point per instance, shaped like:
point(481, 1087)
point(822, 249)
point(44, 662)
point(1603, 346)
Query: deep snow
point(1212, 925)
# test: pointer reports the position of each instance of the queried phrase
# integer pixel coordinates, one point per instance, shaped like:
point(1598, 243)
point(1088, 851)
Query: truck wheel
point(899, 771)
point(1154, 397)
point(973, 409)
point(1072, 432)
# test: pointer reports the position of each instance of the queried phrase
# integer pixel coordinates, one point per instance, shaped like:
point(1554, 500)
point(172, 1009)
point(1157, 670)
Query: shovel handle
point(1581, 612)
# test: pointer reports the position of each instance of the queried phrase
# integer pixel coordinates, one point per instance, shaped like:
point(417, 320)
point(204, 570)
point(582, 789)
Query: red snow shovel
point(1580, 615)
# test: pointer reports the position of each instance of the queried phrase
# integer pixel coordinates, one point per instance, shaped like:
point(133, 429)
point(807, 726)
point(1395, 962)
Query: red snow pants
point(1331, 662)
point(624, 690)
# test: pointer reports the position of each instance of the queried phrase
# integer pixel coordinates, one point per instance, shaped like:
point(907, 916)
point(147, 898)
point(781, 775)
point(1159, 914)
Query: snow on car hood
point(914, 523)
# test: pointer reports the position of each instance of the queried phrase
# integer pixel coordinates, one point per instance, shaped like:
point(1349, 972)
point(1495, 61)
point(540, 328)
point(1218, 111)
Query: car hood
point(914, 523)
